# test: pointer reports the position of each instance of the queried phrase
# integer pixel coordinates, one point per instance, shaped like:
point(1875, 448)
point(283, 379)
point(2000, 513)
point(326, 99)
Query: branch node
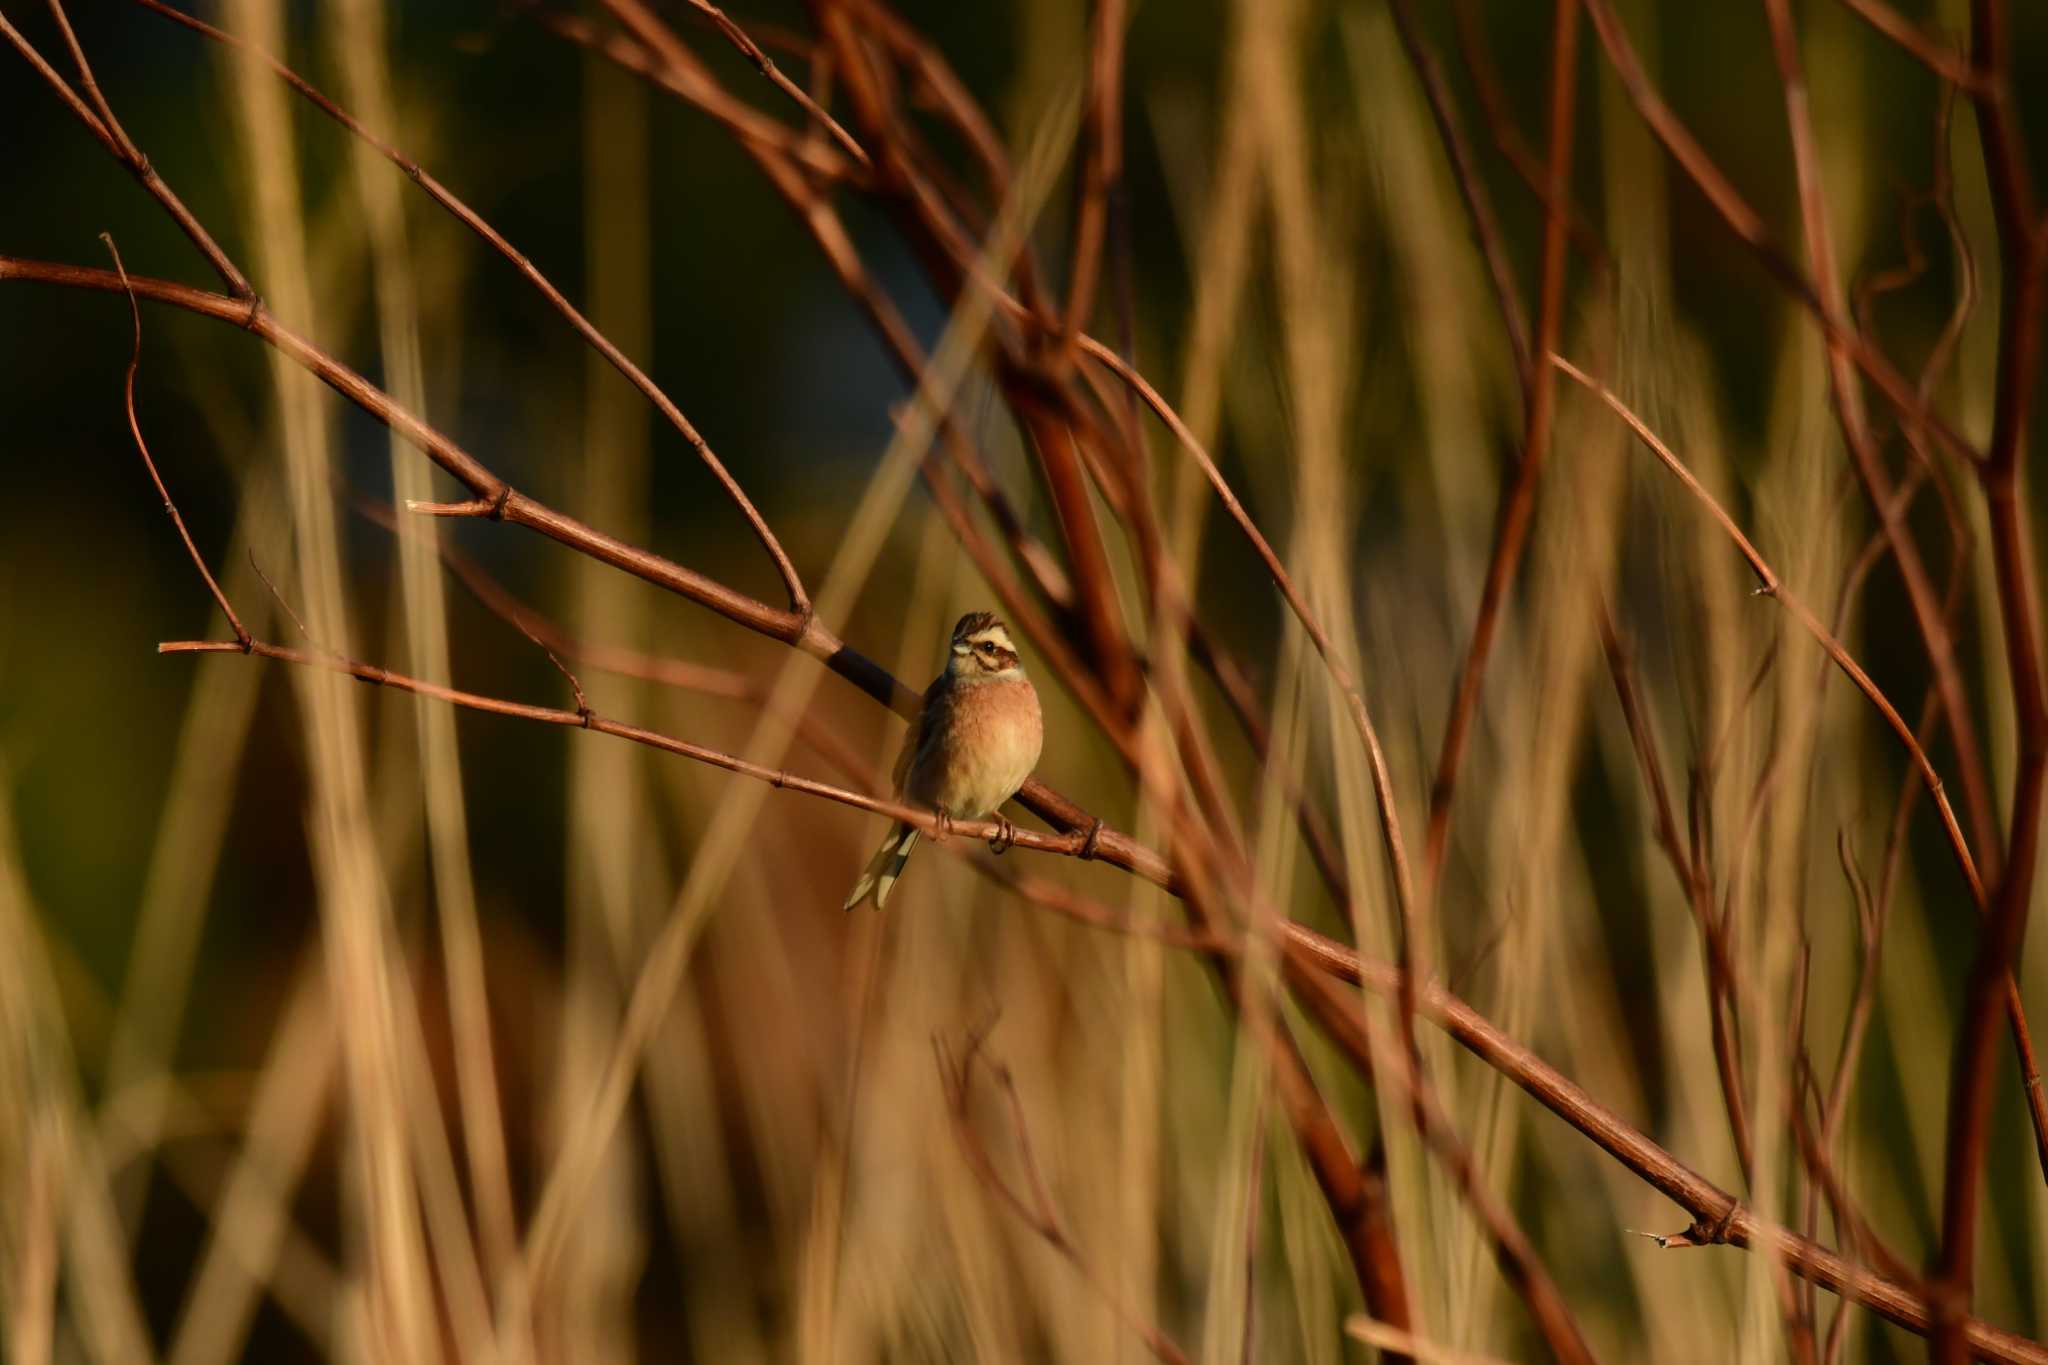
point(1089, 844)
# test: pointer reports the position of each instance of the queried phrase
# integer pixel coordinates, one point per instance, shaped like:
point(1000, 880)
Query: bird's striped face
point(982, 651)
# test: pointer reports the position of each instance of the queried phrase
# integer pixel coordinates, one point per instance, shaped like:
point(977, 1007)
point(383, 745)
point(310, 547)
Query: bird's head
point(982, 651)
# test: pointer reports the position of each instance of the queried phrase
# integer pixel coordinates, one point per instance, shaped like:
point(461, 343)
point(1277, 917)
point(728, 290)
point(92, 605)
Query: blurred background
point(1292, 267)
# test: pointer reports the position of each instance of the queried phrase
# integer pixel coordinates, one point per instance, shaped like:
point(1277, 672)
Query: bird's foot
point(943, 830)
point(1004, 837)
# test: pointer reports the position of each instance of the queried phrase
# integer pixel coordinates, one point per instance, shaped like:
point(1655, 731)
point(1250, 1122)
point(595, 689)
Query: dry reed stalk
point(1230, 1275)
point(615, 877)
point(180, 880)
point(50, 1156)
point(29, 1257)
point(252, 1209)
point(360, 36)
point(831, 1316)
point(355, 911)
point(1547, 718)
point(1142, 1188)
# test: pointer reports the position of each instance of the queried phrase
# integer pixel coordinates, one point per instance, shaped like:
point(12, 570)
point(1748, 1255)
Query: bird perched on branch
point(974, 744)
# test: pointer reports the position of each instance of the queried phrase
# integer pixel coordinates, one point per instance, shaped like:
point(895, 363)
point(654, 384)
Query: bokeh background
point(788, 1184)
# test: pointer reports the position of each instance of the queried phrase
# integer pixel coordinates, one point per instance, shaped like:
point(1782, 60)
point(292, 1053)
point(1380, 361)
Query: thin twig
point(213, 588)
point(1471, 189)
point(282, 601)
point(765, 64)
point(1507, 133)
point(956, 1078)
point(1518, 501)
point(1694, 879)
point(114, 138)
point(2023, 274)
point(659, 669)
point(1931, 53)
point(1069, 845)
point(1102, 165)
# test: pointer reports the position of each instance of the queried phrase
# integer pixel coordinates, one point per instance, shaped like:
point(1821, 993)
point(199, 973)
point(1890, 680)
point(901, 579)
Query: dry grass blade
point(361, 29)
point(1386, 1338)
point(252, 1223)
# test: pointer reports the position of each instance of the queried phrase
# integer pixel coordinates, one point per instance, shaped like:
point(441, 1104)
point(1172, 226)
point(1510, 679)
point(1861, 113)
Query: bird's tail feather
point(885, 867)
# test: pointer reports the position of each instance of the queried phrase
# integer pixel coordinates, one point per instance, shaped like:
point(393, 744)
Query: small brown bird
point(974, 744)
